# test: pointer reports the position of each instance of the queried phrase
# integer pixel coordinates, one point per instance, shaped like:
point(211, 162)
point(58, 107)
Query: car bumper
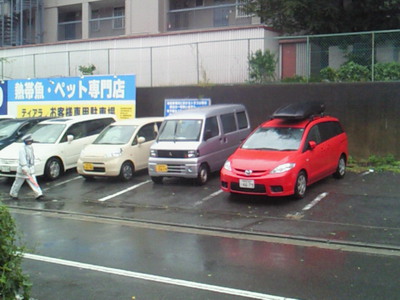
point(93, 167)
point(10, 169)
point(187, 168)
point(273, 185)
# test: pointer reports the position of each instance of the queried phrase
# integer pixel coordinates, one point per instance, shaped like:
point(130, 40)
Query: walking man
point(26, 170)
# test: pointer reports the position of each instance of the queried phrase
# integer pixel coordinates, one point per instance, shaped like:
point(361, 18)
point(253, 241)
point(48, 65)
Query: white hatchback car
point(120, 149)
point(57, 144)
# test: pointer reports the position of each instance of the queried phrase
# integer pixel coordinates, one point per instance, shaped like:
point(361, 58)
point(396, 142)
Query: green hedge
point(353, 72)
point(13, 283)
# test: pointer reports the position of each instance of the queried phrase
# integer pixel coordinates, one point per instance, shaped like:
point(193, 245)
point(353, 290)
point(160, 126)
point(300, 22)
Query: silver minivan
point(193, 143)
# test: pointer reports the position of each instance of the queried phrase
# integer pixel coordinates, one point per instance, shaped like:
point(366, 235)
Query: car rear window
point(329, 130)
point(242, 120)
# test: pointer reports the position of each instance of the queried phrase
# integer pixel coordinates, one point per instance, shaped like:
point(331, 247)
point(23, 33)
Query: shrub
point(262, 66)
point(351, 71)
point(13, 282)
point(87, 70)
point(387, 71)
point(328, 74)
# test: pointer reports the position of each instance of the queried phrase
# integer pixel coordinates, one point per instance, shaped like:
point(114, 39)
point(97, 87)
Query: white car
point(120, 149)
point(57, 144)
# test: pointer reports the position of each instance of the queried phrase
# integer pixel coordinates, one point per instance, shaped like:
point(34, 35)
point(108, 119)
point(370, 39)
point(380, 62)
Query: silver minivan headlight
point(193, 154)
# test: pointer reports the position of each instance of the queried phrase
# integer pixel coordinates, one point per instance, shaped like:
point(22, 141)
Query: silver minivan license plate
point(246, 183)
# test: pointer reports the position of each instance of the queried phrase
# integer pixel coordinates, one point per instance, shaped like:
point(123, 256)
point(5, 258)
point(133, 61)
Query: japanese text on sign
point(74, 88)
point(121, 111)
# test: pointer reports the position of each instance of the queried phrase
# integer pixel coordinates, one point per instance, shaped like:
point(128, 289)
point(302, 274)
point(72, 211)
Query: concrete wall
point(369, 112)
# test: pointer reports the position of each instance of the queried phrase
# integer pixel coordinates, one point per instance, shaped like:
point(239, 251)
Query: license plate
point(5, 169)
point(161, 168)
point(88, 166)
point(247, 184)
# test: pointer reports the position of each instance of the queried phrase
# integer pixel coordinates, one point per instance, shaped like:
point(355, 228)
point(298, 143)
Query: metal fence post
point(198, 63)
point(34, 65)
point(151, 66)
point(373, 57)
point(308, 59)
point(69, 63)
point(109, 62)
point(248, 57)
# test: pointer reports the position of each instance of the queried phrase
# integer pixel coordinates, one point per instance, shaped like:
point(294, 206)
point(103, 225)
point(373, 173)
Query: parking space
point(359, 208)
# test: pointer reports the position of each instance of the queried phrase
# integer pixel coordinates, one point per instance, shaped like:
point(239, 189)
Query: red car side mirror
point(312, 145)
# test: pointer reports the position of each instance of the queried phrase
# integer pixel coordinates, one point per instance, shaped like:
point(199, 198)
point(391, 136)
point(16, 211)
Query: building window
point(240, 13)
point(199, 3)
point(119, 18)
point(69, 22)
point(95, 22)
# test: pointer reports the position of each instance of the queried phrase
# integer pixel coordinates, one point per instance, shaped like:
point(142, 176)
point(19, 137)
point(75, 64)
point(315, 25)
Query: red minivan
point(297, 147)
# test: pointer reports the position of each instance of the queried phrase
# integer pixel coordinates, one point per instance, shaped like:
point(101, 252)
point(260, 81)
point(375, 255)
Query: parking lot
point(360, 209)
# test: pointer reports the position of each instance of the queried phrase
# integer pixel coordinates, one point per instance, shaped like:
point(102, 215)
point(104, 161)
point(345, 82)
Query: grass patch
point(374, 162)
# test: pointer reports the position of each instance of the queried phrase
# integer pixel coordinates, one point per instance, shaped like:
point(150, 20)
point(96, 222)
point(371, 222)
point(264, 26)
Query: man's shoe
point(41, 197)
point(14, 198)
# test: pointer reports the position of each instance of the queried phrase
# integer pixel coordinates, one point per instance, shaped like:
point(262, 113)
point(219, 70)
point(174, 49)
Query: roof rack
point(299, 111)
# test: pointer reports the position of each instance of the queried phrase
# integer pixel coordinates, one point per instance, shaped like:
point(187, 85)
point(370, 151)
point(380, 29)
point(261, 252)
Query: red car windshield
point(275, 138)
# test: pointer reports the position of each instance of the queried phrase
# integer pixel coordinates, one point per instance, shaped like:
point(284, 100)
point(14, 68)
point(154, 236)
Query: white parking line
point(149, 277)
point(315, 201)
point(123, 191)
point(208, 197)
point(63, 182)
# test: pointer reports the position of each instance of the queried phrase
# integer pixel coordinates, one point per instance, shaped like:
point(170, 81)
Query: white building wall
point(171, 59)
point(387, 53)
point(302, 59)
point(132, 61)
point(337, 57)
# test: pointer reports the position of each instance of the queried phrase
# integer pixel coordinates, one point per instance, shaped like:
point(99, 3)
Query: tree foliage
point(326, 16)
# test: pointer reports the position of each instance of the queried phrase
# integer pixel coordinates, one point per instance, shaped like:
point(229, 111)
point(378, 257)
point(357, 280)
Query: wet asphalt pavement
point(340, 242)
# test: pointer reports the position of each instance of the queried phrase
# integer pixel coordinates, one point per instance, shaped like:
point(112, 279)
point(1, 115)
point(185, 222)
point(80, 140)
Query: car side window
point(313, 135)
point(77, 130)
point(242, 119)
point(147, 131)
point(211, 126)
point(25, 128)
point(96, 126)
point(228, 122)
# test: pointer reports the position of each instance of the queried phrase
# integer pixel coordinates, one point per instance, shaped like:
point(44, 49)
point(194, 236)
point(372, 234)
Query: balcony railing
point(71, 30)
point(103, 27)
point(225, 15)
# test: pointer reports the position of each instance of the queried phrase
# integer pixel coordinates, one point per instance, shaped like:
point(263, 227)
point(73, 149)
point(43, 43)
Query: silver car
point(193, 143)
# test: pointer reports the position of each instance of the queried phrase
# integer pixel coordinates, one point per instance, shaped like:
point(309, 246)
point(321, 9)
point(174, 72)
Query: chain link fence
point(369, 56)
